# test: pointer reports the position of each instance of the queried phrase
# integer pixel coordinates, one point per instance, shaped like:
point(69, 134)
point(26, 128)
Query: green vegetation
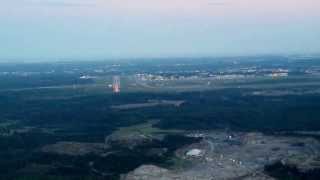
point(79, 110)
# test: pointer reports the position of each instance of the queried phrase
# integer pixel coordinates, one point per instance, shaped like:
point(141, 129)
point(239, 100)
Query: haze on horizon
point(51, 29)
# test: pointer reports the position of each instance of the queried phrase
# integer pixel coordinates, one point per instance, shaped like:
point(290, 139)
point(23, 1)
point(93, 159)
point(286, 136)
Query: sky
point(95, 29)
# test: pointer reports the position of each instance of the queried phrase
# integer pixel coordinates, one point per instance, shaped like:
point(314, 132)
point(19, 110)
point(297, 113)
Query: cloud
point(218, 2)
point(60, 3)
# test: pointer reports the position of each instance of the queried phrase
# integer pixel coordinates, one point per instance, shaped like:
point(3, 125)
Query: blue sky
point(103, 29)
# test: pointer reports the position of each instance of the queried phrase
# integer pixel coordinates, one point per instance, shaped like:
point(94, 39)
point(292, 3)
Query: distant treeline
point(40, 80)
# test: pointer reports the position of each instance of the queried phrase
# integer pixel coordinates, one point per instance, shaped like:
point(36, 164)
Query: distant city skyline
point(45, 30)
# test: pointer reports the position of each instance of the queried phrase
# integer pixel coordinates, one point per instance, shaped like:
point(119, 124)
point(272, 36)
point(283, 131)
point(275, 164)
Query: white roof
point(194, 152)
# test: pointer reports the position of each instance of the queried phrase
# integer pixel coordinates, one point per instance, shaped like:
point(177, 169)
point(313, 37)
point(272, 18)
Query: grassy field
point(146, 129)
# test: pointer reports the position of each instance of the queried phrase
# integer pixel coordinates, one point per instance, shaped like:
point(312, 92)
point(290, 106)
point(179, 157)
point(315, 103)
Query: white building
point(195, 153)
